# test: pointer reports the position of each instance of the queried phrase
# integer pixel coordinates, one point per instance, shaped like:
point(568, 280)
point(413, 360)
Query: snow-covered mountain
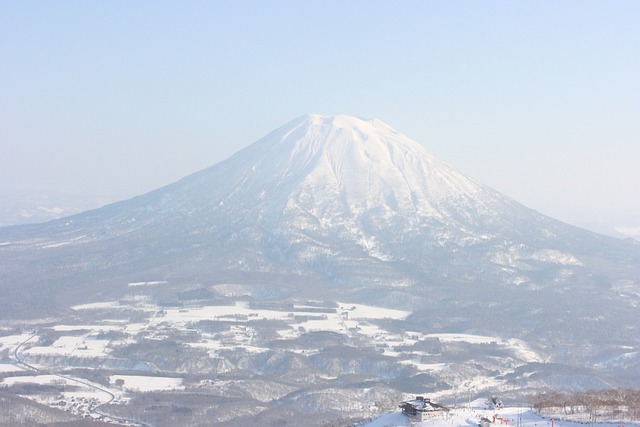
point(333, 206)
point(325, 270)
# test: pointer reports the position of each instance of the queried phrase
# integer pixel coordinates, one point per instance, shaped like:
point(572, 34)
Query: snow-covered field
point(146, 383)
point(79, 346)
point(92, 340)
point(75, 396)
point(238, 328)
point(95, 340)
point(7, 367)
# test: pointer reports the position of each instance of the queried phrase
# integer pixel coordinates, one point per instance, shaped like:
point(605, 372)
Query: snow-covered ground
point(95, 340)
point(146, 383)
point(79, 346)
point(92, 340)
point(471, 417)
point(78, 397)
point(7, 367)
point(234, 326)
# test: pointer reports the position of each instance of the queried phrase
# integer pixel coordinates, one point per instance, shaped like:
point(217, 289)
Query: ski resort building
point(422, 409)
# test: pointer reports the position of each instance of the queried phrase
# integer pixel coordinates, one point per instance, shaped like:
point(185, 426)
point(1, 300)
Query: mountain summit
point(329, 207)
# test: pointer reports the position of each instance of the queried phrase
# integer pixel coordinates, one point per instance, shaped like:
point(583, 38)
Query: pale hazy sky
point(537, 99)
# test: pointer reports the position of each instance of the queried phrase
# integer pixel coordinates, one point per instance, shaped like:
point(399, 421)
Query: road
point(95, 409)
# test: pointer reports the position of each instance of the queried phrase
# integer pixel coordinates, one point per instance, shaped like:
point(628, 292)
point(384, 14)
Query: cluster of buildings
point(421, 408)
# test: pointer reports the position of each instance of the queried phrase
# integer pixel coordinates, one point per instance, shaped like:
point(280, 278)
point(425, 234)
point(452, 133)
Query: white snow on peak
point(319, 182)
point(362, 164)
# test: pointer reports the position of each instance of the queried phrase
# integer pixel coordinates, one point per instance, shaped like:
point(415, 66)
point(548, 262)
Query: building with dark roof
point(422, 409)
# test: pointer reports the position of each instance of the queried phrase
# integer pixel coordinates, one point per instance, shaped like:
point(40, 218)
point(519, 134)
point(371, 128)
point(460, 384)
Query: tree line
point(595, 405)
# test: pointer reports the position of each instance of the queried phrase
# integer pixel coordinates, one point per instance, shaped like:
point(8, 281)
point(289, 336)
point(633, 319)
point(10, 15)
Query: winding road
point(95, 410)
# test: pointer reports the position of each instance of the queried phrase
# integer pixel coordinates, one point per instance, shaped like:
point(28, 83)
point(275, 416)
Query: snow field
point(348, 319)
point(237, 332)
point(12, 341)
point(152, 283)
point(147, 383)
point(7, 367)
point(70, 345)
point(83, 389)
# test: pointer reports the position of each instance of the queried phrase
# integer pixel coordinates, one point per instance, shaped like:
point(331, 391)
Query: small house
point(494, 403)
point(422, 409)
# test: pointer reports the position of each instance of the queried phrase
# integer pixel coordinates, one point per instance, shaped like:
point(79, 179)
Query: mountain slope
point(327, 207)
